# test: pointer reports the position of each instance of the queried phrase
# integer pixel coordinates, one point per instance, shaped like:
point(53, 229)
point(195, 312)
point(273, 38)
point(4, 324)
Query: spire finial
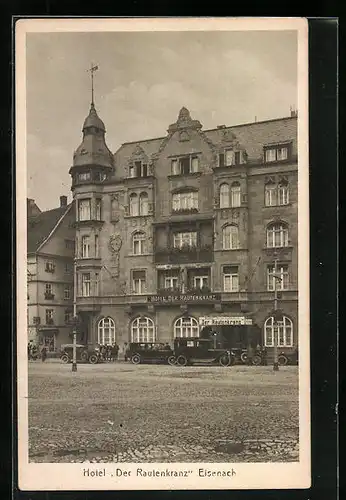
point(92, 70)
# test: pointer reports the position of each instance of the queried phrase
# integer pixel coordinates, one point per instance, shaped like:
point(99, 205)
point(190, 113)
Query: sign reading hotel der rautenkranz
point(186, 297)
point(224, 320)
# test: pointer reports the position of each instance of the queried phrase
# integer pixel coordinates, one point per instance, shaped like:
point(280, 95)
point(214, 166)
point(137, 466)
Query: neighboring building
point(50, 256)
point(31, 208)
point(179, 232)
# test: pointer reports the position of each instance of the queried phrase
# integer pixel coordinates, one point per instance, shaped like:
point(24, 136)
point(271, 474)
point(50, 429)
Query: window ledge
point(137, 216)
point(191, 174)
point(278, 206)
point(139, 254)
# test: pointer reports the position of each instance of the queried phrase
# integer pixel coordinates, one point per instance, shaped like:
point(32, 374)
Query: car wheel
point(225, 360)
point(171, 360)
point(282, 360)
point(256, 360)
point(93, 359)
point(64, 358)
point(181, 361)
point(84, 356)
point(136, 359)
point(243, 357)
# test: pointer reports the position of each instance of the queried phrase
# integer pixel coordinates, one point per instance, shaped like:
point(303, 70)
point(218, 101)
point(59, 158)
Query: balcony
point(183, 255)
point(49, 296)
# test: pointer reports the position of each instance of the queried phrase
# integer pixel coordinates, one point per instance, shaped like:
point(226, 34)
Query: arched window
point(106, 331)
point(186, 327)
point(235, 195)
point(142, 330)
point(230, 237)
point(143, 204)
point(283, 330)
point(277, 235)
point(134, 205)
point(270, 194)
point(139, 245)
point(224, 196)
point(283, 193)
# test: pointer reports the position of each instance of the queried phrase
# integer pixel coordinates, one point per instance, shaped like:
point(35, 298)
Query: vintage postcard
point(163, 253)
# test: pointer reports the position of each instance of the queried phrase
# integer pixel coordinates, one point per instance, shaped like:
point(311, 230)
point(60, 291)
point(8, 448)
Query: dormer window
point(277, 152)
point(184, 165)
point(229, 158)
point(139, 169)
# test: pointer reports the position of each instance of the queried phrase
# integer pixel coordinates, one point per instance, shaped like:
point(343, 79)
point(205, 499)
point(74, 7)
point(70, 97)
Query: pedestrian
point(43, 354)
point(34, 354)
point(29, 350)
point(125, 351)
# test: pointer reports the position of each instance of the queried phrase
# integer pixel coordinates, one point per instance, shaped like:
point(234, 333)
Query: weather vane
point(92, 70)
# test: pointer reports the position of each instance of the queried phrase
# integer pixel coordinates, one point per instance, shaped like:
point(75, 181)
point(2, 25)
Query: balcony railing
point(182, 255)
point(49, 296)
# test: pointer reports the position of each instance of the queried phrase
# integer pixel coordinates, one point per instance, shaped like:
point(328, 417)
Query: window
point(171, 282)
point(186, 327)
point(85, 176)
point(69, 244)
point(276, 194)
point(187, 200)
point(98, 205)
point(50, 266)
point(230, 279)
point(106, 331)
point(96, 284)
point(143, 204)
point(86, 285)
point(139, 282)
point(188, 239)
point(282, 330)
point(49, 316)
point(283, 194)
point(114, 210)
point(138, 169)
point(277, 235)
point(139, 246)
point(142, 330)
point(67, 292)
point(97, 248)
point(134, 206)
point(185, 165)
point(230, 238)
point(48, 289)
point(280, 279)
point(85, 247)
point(200, 281)
point(235, 195)
point(84, 210)
point(224, 196)
point(68, 268)
point(276, 153)
point(229, 158)
point(68, 316)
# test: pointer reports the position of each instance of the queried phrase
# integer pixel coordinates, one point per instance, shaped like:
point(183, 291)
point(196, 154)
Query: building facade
point(187, 231)
point(50, 257)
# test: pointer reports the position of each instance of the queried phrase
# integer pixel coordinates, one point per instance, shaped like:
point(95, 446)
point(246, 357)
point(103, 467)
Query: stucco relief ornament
point(115, 243)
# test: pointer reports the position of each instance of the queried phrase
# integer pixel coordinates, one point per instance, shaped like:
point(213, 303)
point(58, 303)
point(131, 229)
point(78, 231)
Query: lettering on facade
point(181, 298)
point(224, 320)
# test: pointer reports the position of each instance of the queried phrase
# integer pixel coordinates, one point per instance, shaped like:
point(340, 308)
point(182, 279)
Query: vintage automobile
point(150, 352)
point(188, 351)
point(288, 358)
point(258, 357)
point(84, 353)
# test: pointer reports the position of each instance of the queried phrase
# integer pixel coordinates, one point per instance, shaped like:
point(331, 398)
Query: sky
point(144, 78)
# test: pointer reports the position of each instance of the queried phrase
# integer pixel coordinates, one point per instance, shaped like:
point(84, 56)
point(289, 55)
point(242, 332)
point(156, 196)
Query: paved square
point(157, 413)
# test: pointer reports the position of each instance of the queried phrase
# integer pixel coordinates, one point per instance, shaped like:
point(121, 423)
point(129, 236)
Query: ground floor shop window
point(186, 327)
point(142, 330)
point(282, 329)
point(106, 331)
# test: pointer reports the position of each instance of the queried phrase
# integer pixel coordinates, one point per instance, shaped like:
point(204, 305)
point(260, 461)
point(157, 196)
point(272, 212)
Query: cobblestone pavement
point(151, 413)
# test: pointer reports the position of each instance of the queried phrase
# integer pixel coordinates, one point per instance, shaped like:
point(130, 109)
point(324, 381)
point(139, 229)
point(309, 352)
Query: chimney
point(63, 201)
